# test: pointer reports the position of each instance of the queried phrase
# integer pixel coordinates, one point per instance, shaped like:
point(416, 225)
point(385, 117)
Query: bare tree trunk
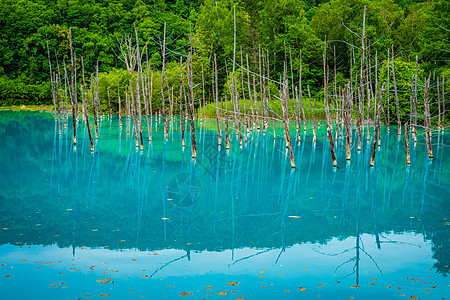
point(301, 93)
point(97, 98)
point(361, 80)
point(285, 99)
point(443, 101)
point(227, 135)
point(256, 103)
point(243, 96)
point(216, 83)
point(191, 106)
point(388, 83)
point(408, 160)
point(139, 111)
point(312, 115)
point(252, 119)
point(51, 76)
point(118, 97)
point(166, 134)
point(203, 95)
point(58, 100)
point(377, 127)
point(133, 115)
point(427, 119)
point(415, 101)
point(396, 95)
point(93, 106)
point(348, 121)
point(439, 103)
point(86, 109)
point(181, 103)
point(328, 117)
point(109, 103)
point(74, 99)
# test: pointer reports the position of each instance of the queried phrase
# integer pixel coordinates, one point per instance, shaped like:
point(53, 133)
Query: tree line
point(265, 29)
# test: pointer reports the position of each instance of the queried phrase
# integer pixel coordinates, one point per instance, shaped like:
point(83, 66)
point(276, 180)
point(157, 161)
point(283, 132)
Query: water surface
point(124, 223)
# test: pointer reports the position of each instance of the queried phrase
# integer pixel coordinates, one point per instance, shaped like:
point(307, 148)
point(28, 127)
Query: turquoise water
point(237, 224)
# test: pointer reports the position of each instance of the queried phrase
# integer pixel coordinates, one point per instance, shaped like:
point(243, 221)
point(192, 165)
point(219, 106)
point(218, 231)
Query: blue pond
point(122, 223)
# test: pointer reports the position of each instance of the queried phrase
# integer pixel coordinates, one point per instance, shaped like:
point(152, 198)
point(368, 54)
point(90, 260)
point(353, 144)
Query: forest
point(31, 31)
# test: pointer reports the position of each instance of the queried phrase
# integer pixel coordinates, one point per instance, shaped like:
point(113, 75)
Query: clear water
point(234, 224)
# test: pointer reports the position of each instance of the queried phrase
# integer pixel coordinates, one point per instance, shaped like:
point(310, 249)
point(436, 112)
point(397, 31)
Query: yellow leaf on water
point(262, 272)
point(355, 286)
point(301, 289)
point(320, 285)
point(222, 293)
point(185, 294)
point(233, 283)
point(207, 288)
point(104, 295)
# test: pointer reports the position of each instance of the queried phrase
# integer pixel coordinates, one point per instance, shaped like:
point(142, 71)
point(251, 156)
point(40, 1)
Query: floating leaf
point(413, 297)
point(320, 285)
point(388, 287)
point(222, 293)
point(233, 283)
point(207, 288)
point(294, 217)
point(264, 286)
point(262, 272)
point(131, 290)
point(169, 285)
point(133, 259)
point(286, 291)
point(355, 286)
point(261, 276)
point(165, 219)
point(371, 283)
point(185, 294)
point(304, 269)
point(301, 289)
point(7, 276)
point(104, 295)
point(427, 290)
point(24, 259)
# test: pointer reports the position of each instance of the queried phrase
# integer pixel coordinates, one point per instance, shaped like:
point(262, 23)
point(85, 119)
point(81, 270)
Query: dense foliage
point(279, 28)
